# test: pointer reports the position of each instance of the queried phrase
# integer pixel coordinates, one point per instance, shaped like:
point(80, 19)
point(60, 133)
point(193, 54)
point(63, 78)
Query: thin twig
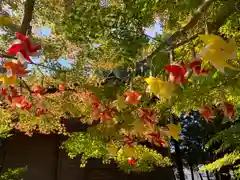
point(27, 86)
point(185, 41)
point(47, 67)
point(40, 70)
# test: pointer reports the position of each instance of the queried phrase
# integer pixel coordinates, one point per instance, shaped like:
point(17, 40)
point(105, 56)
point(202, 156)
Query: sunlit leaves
point(120, 103)
point(93, 146)
point(145, 159)
point(45, 124)
point(174, 131)
point(16, 173)
point(160, 88)
point(126, 119)
point(107, 92)
point(8, 80)
point(217, 51)
point(119, 25)
point(100, 39)
point(228, 159)
point(5, 123)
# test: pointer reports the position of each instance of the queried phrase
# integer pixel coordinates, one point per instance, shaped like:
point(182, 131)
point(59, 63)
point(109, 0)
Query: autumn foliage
point(124, 88)
point(31, 101)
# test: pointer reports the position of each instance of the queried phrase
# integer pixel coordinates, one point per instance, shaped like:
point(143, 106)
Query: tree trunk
point(200, 175)
point(207, 175)
point(225, 177)
point(27, 17)
point(192, 173)
point(217, 176)
point(178, 160)
point(225, 173)
point(174, 177)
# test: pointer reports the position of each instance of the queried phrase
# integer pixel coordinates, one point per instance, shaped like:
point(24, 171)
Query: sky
point(46, 32)
point(153, 31)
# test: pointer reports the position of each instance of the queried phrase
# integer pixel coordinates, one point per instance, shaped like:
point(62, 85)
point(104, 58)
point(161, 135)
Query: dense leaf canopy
point(125, 86)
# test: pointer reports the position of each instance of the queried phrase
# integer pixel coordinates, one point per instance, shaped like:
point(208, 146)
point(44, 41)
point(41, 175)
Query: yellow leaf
point(129, 151)
point(8, 80)
point(174, 131)
point(120, 103)
point(139, 128)
point(5, 20)
point(159, 87)
point(217, 51)
point(112, 149)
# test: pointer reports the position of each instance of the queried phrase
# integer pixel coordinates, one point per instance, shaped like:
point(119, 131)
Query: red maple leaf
point(19, 101)
point(3, 91)
point(16, 101)
point(177, 73)
point(14, 91)
point(197, 69)
point(26, 48)
point(157, 139)
point(207, 113)
point(38, 90)
point(61, 87)
point(107, 114)
point(41, 111)
point(132, 161)
point(148, 116)
point(229, 110)
point(26, 105)
point(128, 140)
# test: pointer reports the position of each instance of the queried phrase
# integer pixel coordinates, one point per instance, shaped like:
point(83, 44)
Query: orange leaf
point(132, 97)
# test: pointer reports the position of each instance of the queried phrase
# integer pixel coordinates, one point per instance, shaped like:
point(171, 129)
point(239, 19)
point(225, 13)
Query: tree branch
point(48, 67)
point(7, 56)
point(27, 17)
point(230, 8)
point(185, 41)
point(25, 26)
point(193, 21)
point(222, 16)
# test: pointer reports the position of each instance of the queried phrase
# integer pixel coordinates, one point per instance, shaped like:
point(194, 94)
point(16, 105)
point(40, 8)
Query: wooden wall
point(45, 161)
